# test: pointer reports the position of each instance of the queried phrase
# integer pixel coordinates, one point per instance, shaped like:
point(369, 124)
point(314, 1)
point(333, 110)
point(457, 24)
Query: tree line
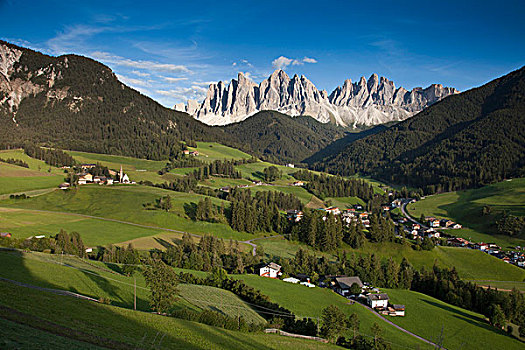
point(13, 161)
point(53, 157)
point(324, 185)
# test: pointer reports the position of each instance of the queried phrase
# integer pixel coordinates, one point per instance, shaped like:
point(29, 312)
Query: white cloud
point(283, 62)
point(173, 80)
point(147, 65)
point(133, 82)
point(140, 74)
point(309, 60)
point(204, 83)
point(184, 93)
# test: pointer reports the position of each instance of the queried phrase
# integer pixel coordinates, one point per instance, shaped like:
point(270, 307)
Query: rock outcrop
point(371, 102)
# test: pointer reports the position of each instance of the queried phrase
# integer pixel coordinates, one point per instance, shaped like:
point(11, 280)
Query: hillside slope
point(76, 103)
point(277, 137)
point(466, 140)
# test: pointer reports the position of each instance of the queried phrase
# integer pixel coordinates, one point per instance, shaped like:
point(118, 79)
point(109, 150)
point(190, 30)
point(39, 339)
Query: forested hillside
point(466, 140)
point(278, 137)
point(76, 103)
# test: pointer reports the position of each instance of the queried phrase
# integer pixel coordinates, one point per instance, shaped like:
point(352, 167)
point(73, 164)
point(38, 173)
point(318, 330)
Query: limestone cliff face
point(371, 102)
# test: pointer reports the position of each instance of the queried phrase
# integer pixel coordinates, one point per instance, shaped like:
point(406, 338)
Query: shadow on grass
point(163, 242)
point(190, 209)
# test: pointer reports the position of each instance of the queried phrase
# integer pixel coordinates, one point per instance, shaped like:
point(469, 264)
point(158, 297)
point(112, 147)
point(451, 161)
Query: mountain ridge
point(368, 103)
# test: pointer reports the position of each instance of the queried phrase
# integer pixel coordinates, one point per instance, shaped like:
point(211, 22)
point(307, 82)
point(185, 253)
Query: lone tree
point(162, 282)
point(355, 289)
point(334, 322)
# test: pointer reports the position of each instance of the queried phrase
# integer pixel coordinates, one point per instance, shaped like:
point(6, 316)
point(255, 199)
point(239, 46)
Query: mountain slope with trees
point(466, 140)
point(278, 137)
point(76, 103)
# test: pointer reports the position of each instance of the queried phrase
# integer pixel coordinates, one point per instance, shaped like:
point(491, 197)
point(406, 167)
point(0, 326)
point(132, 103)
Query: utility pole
point(135, 293)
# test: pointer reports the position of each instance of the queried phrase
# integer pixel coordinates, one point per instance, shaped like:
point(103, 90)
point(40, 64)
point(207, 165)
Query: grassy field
point(34, 164)
point(345, 202)
point(137, 169)
point(301, 193)
point(23, 223)
point(470, 264)
point(125, 203)
point(210, 151)
point(94, 279)
point(462, 329)
point(17, 179)
point(465, 207)
point(255, 171)
point(136, 329)
point(14, 336)
point(309, 302)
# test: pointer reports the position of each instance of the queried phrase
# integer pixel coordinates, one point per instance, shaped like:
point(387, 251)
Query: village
point(83, 175)
point(350, 287)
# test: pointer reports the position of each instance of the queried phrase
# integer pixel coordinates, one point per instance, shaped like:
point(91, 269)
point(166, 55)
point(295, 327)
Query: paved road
point(401, 328)
point(249, 242)
point(403, 210)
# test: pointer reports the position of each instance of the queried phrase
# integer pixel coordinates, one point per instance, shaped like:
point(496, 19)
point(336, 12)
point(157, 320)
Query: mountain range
point(372, 102)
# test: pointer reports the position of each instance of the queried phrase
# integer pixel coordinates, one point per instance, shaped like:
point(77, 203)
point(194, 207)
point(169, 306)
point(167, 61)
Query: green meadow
point(105, 323)
point(16, 179)
point(458, 328)
point(465, 207)
point(96, 280)
point(470, 264)
point(310, 302)
point(125, 203)
point(210, 151)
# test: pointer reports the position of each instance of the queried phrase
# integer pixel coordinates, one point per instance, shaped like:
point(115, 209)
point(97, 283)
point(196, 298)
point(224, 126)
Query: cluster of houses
point(443, 223)
point(419, 232)
point(84, 177)
point(347, 215)
point(343, 285)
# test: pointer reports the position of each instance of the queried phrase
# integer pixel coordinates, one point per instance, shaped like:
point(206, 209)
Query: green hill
point(121, 328)
point(458, 328)
point(466, 207)
point(278, 137)
point(96, 280)
point(465, 140)
point(79, 104)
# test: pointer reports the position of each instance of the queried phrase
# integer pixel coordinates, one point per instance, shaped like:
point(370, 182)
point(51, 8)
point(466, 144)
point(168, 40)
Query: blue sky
point(170, 51)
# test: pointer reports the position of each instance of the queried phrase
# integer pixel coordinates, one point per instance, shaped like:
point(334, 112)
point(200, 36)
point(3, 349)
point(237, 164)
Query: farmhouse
point(5, 234)
point(457, 226)
point(298, 183)
point(446, 222)
point(186, 152)
point(343, 284)
point(290, 165)
point(88, 166)
point(194, 153)
point(377, 300)
point(84, 179)
point(271, 270)
point(432, 221)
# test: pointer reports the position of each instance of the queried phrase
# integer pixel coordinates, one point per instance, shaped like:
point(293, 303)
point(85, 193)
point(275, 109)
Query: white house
point(377, 300)
point(271, 270)
point(399, 310)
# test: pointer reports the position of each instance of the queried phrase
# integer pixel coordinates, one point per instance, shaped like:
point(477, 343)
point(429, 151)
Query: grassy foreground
point(104, 324)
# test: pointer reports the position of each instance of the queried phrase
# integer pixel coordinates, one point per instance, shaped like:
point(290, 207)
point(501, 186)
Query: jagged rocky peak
point(366, 102)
